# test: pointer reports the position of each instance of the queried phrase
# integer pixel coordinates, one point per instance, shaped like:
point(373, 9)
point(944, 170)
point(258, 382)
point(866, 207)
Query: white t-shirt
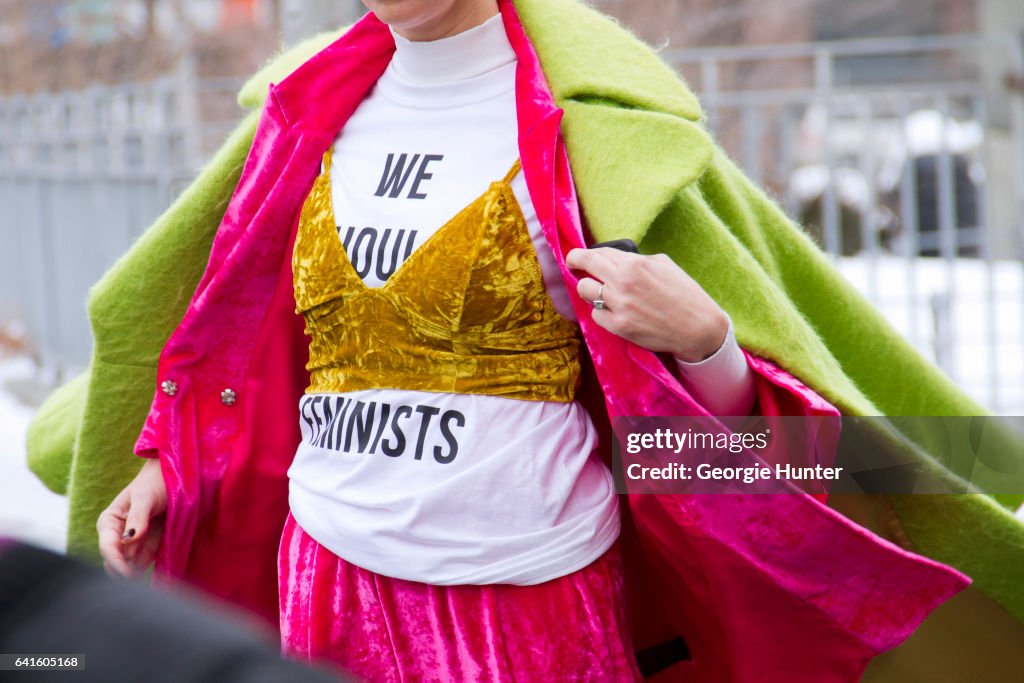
point(437, 487)
point(448, 488)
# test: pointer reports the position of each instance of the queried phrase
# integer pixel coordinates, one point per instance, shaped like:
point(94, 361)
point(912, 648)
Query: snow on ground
point(966, 315)
point(28, 510)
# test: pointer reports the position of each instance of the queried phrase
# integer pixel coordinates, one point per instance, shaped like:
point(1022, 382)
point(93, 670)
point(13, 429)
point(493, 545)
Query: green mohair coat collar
point(645, 168)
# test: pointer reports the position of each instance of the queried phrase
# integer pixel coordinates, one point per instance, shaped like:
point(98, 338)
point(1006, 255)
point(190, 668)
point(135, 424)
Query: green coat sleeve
point(52, 434)
point(850, 327)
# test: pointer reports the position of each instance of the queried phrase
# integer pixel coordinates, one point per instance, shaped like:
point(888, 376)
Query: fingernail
point(128, 534)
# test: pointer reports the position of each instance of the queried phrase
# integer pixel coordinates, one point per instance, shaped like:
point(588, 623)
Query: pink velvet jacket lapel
point(746, 579)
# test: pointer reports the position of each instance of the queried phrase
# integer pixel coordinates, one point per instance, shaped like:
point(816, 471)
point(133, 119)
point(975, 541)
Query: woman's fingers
point(143, 502)
point(128, 535)
point(589, 289)
point(601, 263)
point(110, 527)
point(140, 539)
point(144, 550)
point(131, 527)
point(650, 301)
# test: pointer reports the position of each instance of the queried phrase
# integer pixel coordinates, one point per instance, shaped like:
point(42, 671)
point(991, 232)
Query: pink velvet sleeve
point(723, 382)
point(781, 394)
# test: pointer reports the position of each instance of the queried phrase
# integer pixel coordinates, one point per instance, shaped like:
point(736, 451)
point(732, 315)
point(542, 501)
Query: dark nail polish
point(129, 534)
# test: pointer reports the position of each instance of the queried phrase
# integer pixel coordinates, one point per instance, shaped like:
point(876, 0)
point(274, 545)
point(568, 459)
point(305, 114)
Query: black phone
point(621, 245)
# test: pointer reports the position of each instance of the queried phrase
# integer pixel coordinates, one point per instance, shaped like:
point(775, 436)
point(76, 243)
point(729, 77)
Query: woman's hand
point(650, 301)
point(131, 527)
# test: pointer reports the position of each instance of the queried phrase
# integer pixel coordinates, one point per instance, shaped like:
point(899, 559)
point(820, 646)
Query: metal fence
point(894, 165)
point(886, 151)
point(82, 174)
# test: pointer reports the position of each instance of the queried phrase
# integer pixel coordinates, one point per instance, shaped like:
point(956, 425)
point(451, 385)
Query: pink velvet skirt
point(383, 629)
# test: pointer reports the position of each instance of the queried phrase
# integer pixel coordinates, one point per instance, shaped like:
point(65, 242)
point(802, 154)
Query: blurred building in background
point(893, 131)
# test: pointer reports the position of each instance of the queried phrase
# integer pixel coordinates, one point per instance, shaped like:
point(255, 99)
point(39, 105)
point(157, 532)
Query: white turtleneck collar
point(471, 54)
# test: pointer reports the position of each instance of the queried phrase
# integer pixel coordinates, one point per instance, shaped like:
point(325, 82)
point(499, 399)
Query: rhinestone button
point(228, 397)
point(168, 387)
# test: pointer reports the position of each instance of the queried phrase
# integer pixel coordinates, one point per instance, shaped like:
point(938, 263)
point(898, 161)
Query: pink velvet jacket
point(762, 587)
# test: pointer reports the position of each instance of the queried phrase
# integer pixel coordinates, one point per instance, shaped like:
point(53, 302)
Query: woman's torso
point(452, 330)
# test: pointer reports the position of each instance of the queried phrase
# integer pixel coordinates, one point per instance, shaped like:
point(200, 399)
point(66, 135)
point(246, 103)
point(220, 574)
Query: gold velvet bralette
point(466, 313)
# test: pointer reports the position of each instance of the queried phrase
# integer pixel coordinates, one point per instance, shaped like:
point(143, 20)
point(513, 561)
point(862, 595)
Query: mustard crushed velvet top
point(466, 313)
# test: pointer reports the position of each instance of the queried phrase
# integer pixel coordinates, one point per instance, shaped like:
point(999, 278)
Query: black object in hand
point(621, 245)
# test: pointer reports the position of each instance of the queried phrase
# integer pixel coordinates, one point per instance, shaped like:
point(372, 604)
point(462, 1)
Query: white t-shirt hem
point(573, 550)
